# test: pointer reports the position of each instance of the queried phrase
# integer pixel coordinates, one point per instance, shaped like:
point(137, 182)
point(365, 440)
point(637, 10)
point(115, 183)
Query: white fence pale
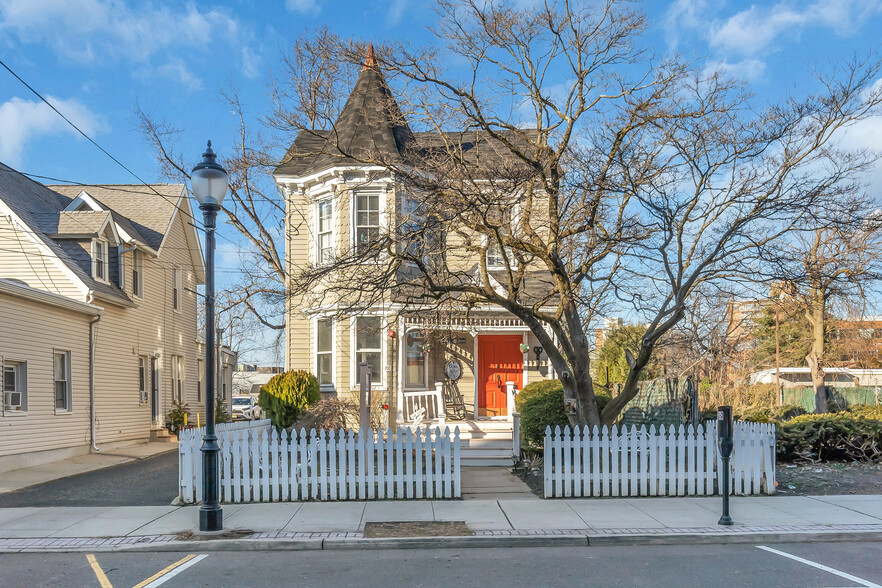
point(669, 462)
point(260, 465)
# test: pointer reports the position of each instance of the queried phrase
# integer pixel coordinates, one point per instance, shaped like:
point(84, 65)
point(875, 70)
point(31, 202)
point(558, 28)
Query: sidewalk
point(325, 525)
point(24, 477)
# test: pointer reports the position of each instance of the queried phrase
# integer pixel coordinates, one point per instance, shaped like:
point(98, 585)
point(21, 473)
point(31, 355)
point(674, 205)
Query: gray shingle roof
point(371, 128)
point(31, 201)
point(142, 211)
point(80, 222)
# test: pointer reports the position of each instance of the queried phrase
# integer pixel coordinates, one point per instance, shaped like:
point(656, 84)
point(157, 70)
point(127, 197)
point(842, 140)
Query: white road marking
point(813, 564)
point(165, 578)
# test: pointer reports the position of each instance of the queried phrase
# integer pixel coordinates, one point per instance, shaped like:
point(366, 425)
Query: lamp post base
point(211, 520)
point(725, 520)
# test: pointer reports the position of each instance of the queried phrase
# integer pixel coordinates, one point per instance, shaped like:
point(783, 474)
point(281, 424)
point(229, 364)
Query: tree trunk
point(630, 389)
point(815, 358)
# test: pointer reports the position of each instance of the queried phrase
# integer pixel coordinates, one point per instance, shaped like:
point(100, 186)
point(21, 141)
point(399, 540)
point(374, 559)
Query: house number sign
point(453, 369)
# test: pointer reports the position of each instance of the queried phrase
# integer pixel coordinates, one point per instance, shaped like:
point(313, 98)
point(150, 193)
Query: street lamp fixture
point(209, 182)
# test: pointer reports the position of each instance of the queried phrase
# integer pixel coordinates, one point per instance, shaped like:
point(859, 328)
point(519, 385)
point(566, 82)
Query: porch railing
point(425, 405)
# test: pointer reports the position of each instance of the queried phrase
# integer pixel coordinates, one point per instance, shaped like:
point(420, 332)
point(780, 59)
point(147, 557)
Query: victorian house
point(465, 363)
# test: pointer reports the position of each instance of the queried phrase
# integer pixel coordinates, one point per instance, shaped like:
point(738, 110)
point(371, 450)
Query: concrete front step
point(162, 436)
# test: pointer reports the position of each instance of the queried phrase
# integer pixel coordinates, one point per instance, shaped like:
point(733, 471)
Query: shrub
point(286, 396)
point(771, 414)
point(177, 416)
point(221, 414)
point(541, 404)
point(868, 412)
point(830, 437)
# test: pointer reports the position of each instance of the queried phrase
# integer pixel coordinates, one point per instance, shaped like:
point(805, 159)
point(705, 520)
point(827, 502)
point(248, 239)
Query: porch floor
point(493, 483)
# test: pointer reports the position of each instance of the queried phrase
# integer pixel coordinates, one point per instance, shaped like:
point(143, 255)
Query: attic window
point(100, 266)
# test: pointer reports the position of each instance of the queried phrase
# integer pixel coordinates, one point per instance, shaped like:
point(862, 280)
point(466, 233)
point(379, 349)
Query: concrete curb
point(466, 542)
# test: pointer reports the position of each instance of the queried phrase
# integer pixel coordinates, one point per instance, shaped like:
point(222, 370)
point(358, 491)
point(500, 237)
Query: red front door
point(500, 360)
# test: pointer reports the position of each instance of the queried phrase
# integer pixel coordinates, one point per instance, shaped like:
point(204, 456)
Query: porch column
point(509, 400)
point(399, 405)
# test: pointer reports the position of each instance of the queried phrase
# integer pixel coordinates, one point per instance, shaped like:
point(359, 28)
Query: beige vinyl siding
point(22, 259)
point(29, 330)
point(152, 327)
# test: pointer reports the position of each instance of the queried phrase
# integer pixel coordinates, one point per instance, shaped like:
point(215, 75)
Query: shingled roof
point(371, 128)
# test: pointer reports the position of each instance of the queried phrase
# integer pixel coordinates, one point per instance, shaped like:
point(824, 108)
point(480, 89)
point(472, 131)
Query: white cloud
point(88, 30)
point(746, 69)
point(176, 70)
point(396, 11)
point(682, 15)
point(303, 6)
point(751, 31)
point(23, 121)
point(250, 63)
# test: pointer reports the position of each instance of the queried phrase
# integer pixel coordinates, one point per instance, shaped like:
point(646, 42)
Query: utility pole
point(777, 358)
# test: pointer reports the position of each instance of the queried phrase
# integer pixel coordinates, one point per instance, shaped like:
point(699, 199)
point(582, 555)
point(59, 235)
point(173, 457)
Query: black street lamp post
point(209, 182)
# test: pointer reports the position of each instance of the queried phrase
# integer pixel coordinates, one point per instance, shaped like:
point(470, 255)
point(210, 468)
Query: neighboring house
point(333, 204)
point(801, 377)
point(114, 265)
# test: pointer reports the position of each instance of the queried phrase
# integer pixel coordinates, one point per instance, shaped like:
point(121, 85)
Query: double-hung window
point(137, 273)
point(324, 353)
point(100, 265)
point(495, 258)
point(61, 374)
point(121, 267)
point(414, 360)
point(177, 286)
point(325, 231)
point(14, 382)
point(367, 219)
point(369, 346)
point(411, 226)
point(178, 378)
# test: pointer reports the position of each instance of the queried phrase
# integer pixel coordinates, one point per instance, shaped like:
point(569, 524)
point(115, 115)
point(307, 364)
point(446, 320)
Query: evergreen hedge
point(541, 404)
point(286, 396)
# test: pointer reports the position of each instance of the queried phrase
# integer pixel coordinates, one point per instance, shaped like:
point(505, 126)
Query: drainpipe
point(92, 323)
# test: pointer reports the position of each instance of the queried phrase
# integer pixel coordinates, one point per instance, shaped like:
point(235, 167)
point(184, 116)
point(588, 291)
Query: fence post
point(516, 437)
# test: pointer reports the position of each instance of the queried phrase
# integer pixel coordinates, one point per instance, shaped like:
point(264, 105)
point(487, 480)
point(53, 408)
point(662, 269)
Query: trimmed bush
point(541, 404)
point(830, 437)
point(868, 412)
point(771, 414)
point(286, 396)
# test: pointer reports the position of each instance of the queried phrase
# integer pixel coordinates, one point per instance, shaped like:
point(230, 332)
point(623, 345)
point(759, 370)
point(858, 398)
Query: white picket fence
point(223, 427)
point(260, 465)
point(668, 462)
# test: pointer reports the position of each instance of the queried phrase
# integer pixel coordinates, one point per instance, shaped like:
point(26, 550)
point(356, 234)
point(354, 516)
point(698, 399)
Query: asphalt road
point(147, 482)
point(688, 565)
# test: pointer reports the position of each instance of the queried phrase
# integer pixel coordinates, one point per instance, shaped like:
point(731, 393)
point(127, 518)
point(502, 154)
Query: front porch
point(463, 367)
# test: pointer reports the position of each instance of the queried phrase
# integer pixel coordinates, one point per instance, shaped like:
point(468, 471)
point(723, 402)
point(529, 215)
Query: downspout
point(92, 323)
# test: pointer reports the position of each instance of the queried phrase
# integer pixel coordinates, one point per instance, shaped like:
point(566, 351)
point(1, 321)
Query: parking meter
point(725, 433)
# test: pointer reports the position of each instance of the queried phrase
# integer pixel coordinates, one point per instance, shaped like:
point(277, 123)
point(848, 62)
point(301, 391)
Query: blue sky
point(96, 59)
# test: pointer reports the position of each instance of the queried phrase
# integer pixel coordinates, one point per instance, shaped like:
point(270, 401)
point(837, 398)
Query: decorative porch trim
point(469, 324)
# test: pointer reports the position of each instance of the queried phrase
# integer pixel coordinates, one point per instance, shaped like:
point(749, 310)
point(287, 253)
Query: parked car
point(246, 408)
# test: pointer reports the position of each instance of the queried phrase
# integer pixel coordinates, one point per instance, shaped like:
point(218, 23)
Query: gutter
point(92, 415)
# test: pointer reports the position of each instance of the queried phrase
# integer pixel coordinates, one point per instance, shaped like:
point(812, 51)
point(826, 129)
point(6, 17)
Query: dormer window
point(137, 273)
point(100, 265)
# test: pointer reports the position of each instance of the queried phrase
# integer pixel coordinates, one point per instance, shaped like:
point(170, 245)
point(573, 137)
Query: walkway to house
point(493, 483)
point(25, 477)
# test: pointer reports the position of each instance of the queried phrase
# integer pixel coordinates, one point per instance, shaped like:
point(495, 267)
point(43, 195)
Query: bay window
point(369, 346)
point(324, 353)
point(324, 232)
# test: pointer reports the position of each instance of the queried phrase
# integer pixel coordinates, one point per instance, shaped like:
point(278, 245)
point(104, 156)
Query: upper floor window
point(62, 381)
point(100, 265)
point(177, 286)
point(367, 220)
point(15, 383)
point(411, 226)
point(137, 273)
point(495, 257)
point(325, 231)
